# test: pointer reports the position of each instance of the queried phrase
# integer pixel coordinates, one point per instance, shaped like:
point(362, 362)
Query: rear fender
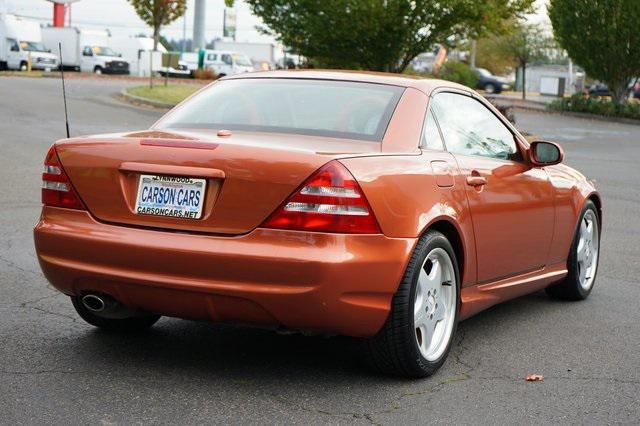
point(403, 193)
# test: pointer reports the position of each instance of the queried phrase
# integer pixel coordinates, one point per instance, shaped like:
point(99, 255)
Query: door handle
point(476, 181)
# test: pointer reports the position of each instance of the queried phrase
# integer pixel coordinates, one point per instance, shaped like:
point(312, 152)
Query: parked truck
point(21, 43)
point(263, 55)
point(85, 50)
point(221, 62)
point(139, 53)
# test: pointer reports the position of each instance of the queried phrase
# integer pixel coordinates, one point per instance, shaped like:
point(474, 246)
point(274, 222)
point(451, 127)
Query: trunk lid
point(248, 175)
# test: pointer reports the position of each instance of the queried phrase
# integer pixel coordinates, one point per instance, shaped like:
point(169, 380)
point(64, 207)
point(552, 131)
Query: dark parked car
point(601, 89)
point(489, 82)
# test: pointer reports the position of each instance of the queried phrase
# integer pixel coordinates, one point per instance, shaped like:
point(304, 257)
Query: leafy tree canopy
point(380, 35)
point(524, 44)
point(158, 13)
point(602, 36)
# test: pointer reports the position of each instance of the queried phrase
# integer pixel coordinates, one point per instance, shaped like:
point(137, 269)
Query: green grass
point(171, 94)
point(32, 74)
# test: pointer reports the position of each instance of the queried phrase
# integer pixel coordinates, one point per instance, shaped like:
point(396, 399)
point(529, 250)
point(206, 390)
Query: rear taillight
point(57, 190)
point(329, 201)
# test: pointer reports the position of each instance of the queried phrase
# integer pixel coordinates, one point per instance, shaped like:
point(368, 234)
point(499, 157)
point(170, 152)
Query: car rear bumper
point(332, 283)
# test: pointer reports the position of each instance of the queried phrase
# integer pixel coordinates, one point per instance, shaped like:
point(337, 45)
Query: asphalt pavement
point(55, 369)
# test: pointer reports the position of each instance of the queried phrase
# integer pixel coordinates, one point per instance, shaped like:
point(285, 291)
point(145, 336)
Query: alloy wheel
point(587, 249)
point(435, 304)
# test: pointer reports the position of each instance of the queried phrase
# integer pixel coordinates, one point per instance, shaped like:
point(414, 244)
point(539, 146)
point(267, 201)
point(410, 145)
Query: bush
point(204, 74)
point(459, 72)
point(599, 106)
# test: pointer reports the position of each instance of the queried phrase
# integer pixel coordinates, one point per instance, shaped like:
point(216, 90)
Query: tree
point(524, 44)
point(602, 37)
point(490, 55)
point(380, 35)
point(158, 13)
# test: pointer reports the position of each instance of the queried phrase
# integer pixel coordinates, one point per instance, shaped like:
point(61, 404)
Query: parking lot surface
point(56, 369)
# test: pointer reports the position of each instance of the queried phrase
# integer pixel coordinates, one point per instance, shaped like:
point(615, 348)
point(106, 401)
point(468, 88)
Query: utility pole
point(570, 78)
point(184, 31)
point(199, 39)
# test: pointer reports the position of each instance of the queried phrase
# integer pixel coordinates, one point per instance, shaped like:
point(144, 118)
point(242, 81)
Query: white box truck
point(21, 41)
point(85, 50)
point(138, 52)
point(263, 55)
point(221, 62)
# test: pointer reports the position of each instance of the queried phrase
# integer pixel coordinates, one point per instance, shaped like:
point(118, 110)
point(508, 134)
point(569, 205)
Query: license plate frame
point(179, 197)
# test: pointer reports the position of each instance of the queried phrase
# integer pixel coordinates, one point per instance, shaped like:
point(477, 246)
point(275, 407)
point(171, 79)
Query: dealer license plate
point(170, 196)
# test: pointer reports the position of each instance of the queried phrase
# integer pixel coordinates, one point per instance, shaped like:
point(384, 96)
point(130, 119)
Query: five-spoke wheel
point(435, 304)
point(582, 264)
point(418, 333)
point(587, 249)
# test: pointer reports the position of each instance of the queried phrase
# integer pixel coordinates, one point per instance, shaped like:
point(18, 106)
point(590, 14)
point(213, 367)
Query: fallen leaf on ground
point(534, 378)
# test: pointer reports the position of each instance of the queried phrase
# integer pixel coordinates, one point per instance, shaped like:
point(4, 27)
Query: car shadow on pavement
point(205, 350)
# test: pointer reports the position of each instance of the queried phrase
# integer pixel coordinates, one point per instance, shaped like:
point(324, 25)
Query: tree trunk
point(524, 80)
point(619, 93)
point(156, 38)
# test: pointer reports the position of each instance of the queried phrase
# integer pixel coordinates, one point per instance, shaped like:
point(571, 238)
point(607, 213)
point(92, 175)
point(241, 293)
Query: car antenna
point(64, 92)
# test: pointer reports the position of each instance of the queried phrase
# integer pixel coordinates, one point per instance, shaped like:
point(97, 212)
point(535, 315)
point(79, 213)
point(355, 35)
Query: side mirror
point(543, 153)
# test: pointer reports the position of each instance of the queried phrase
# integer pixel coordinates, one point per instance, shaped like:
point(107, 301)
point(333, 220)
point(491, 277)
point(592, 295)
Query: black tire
point(570, 288)
point(124, 325)
point(98, 70)
point(490, 88)
point(394, 350)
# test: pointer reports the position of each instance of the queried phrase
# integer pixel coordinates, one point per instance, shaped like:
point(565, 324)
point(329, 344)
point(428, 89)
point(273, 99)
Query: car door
point(511, 203)
point(210, 62)
point(13, 54)
point(227, 64)
point(87, 60)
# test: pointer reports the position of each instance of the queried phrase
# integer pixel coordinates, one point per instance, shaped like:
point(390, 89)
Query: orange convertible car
point(368, 205)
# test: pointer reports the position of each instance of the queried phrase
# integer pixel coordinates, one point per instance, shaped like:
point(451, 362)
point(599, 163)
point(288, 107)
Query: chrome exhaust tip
point(105, 306)
point(94, 303)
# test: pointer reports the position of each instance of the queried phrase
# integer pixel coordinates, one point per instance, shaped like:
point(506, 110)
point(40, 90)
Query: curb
point(596, 117)
point(137, 100)
point(517, 103)
point(541, 107)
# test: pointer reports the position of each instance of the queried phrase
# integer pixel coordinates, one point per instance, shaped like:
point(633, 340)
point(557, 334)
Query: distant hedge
point(459, 72)
point(456, 71)
point(598, 106)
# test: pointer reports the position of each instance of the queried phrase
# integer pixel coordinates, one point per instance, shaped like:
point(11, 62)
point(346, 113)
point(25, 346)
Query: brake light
point(57, 190)
point(329, 201)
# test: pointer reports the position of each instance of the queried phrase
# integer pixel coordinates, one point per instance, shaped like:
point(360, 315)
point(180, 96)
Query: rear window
point(307, 107)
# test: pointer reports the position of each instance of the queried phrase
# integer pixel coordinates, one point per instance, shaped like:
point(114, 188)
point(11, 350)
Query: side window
point(14, 46)
point(227, 59)
point(212, 57)
point(87, 51)
point(470, 128)
point(431, 138)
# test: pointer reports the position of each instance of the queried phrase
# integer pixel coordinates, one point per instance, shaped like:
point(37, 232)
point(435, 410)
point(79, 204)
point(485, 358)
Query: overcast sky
point(121, 19)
